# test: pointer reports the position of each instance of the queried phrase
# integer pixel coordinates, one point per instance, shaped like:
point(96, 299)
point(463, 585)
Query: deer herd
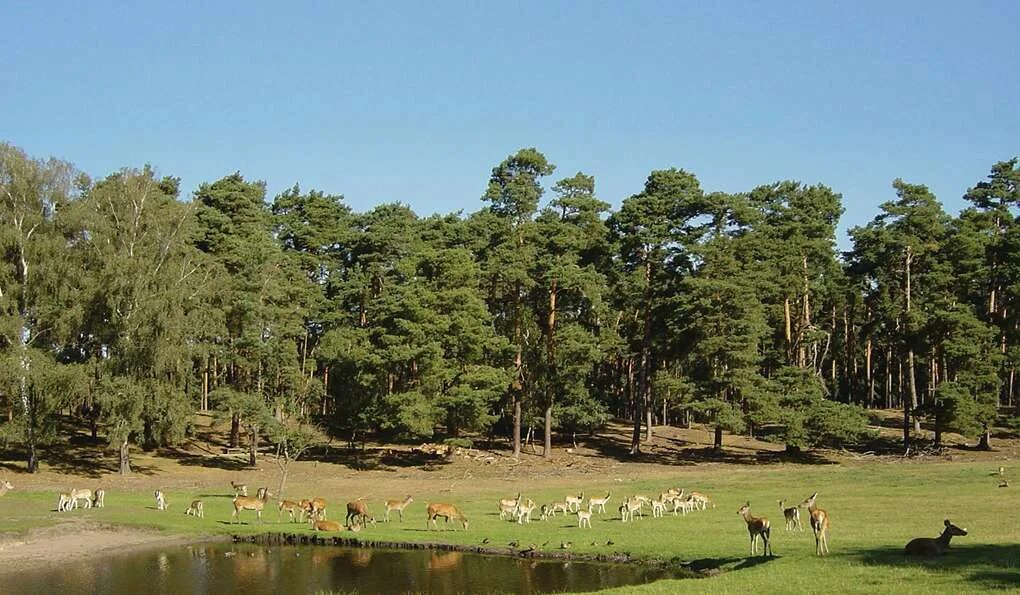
point(520, 511)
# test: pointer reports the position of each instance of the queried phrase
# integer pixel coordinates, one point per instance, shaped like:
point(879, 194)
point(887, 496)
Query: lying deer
point(357, 510)
point(292, 508)
point(196, 509)
point(934, 546)
point(447, 511)
point(792, 516)
point(248, 503)
point(397, 505)
point(161, 501)
point(819, 524)
point(599, 504)
point(574, 502)
point(240, 489)
point(328, 526)
point(99, 498)
point(756, 526)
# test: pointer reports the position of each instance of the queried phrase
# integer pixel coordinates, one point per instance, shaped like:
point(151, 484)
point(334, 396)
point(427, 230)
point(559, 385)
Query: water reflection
point(229, 568)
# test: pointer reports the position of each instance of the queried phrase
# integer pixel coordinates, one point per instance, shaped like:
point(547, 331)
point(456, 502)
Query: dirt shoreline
point(39, 547)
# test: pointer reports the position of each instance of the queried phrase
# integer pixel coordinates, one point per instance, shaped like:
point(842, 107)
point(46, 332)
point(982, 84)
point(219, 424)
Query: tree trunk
point(911, 378)
point(235, 431)
point(517, 426)
point(253, 446)
point(125, 460)
point(641, 399)
point(717, 441)
point(551, 361)
point(547, 452)
point(986, 440)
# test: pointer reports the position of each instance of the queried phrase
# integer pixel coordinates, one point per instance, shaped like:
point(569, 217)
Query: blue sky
point(417, 101)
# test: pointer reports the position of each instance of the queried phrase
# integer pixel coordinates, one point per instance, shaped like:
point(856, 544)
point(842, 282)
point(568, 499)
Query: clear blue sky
point(416, 101)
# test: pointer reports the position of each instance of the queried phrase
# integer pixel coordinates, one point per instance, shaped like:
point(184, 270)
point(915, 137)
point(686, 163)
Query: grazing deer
point(316, 508)
point(599, 503)
point(508, 507)
point(819, 524)
point(934, 546)
point(447, 511)
point(575, 502)
point(357, 510)
point(682, 505)
point(5, 486)
point(240, 489)
point(83, 494)
point(559, 507)
point(584, 518)
point(196, 509)
point(701, 500)
point(292, 508)
point(397, 505)
point(524, 511)
point(328, 526)
point(756, 526)
point(792, 515)
point(248, 503)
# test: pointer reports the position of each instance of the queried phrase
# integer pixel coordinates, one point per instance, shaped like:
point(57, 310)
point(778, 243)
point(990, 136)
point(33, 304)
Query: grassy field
point(876, 507)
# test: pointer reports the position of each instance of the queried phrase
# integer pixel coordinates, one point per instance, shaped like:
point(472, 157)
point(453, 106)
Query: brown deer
point(756, 526)
point(292, 508)
point(934, 546)
point(249, 503)
point(397, 505)
point(5, 486)
point(358, 511)
point(329, 526)
point(447, 511)
point(316, 508)
point(792, 516)
point(240, 489)
point(508, 507)
point(819, 524)
point(196, 509)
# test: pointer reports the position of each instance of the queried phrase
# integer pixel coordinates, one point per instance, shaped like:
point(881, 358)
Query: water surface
point(247, 568)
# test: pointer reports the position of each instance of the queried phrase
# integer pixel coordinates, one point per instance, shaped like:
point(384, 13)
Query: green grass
point(875, 509)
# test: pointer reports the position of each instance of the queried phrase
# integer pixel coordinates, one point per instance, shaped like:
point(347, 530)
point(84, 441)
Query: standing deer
point(792, 516)
point(161, 501)
point(249, 503)
point(196, 509)
point(317, 508)
point(599, 504)
point(934, 546)
point(584, 518)
point(819, 524)
point(83, 494)
point(397, 505)
point(64, 502)
point(701, 500)
point(756, 526)
point(240, 489)
point(574, 502)
point(447, 511)
point(99, 498)
point(524, 511)
point(508, 507)
point(357, 510)
point(5, 486)
point(292, 508)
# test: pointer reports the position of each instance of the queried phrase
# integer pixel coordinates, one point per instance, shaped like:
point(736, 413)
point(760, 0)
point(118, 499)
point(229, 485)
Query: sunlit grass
point(875, 510)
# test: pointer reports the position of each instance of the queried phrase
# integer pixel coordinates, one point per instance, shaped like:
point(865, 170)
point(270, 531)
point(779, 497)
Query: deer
point(933, 546)
point(249, 503)
point(316, 508)
point(524, 511)
point(574, 502)
point(447, 511)
point(756, 526)
point(599, 503)
point(5, 486)
point(658, 508)
point(64, 502)
point(196, 509)
point(356, 510)
point(99, 498)
point(682, 505)
point(240, 489)
point(546, 509)
point(584, 518)
point(792, 516)
point(292, 508)
point(161, 501)
point(83, 494)
point(508, 507)
point(819, 524)
point(701, 500)
point(559, 507)
point(397, 505)
point(328, 526)
point(629, 509)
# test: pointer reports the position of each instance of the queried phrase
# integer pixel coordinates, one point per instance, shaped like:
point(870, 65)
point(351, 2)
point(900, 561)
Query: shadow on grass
point(989, 566)
point(716, 565)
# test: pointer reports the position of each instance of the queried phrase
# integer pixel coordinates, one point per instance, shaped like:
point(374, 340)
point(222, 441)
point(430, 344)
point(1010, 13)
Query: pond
point(247, 568)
